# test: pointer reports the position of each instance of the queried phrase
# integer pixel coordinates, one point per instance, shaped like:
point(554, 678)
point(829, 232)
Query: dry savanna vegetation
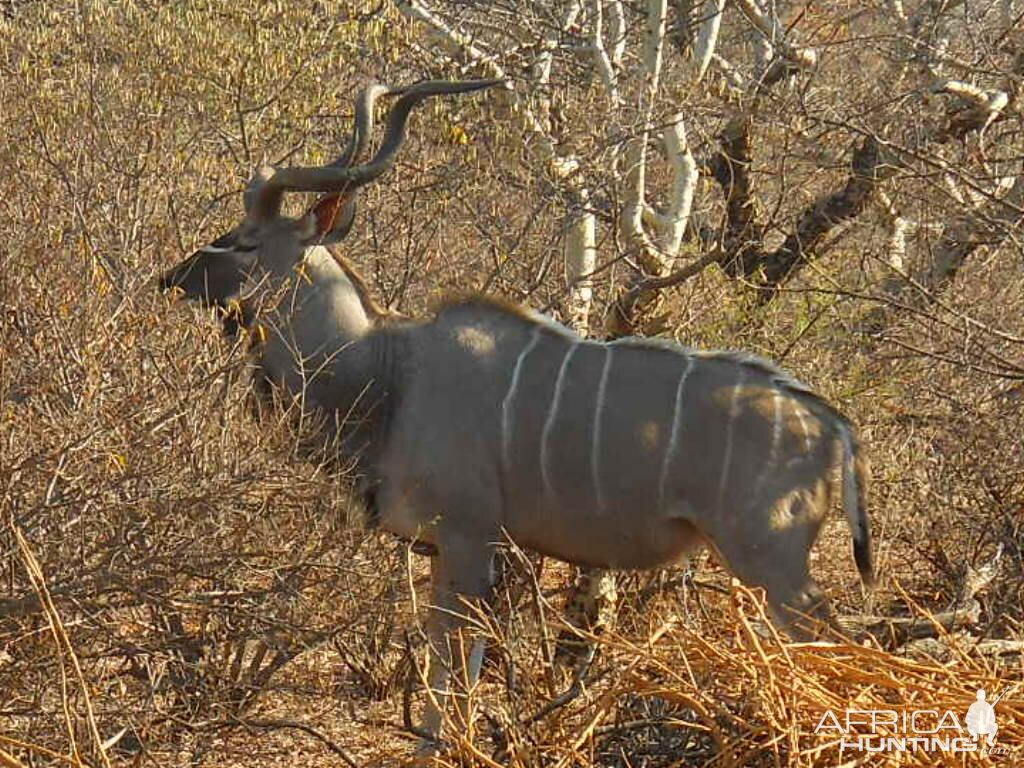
point(830, 184)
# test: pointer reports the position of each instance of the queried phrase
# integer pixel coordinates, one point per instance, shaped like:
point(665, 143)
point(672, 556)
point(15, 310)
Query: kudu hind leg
point(803, 611)
point(462, 571)
point(777, 561)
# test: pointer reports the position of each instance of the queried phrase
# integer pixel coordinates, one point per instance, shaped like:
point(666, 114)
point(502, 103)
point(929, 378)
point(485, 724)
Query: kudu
point(490, 421)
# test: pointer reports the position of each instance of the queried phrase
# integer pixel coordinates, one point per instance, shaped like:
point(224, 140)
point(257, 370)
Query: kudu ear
point(330, 218)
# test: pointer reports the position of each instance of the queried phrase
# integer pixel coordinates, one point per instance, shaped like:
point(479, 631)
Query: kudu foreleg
point(777, 561)
point(461, 574)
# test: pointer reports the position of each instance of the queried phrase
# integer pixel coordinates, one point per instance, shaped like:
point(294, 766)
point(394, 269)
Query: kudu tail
point(855, 479)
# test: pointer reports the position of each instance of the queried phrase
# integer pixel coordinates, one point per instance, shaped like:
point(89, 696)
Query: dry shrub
point(723, 691)
point(207, 581)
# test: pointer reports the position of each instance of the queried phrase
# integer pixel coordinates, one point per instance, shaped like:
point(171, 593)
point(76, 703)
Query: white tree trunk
point(602, 61)
point(580, 263)
point(707, 36)
point(672, 224)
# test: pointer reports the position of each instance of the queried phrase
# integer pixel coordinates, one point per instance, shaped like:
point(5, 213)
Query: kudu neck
point(339, 357)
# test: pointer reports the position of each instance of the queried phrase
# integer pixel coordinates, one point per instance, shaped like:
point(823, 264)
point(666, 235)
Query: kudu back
point(490, 420)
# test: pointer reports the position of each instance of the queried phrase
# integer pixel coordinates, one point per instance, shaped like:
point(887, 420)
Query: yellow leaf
point(457, 135)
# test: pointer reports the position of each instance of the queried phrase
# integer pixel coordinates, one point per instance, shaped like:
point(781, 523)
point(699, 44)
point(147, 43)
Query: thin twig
point(64, 647)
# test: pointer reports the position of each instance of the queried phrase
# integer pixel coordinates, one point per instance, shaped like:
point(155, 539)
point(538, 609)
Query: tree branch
point(867, 171)
point(744, 234)
point(622, 321)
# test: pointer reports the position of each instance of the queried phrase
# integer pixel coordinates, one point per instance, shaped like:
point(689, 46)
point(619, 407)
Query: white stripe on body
point(727, 454)
point(773, 451)
point(673, 441)
point(549, 423)
point(798, 410)
point(595, 447)
point(508, 402)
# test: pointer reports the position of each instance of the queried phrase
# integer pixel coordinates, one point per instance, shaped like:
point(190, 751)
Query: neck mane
point(377, 313)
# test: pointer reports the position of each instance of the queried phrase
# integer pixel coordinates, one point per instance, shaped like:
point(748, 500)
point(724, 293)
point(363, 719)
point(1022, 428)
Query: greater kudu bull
point(490, 420)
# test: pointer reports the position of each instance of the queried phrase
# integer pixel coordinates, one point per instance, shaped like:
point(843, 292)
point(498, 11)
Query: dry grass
point(175, 591)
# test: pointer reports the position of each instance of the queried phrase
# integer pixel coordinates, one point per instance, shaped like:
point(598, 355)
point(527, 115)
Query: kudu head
point(274, 243)
point(215, 274)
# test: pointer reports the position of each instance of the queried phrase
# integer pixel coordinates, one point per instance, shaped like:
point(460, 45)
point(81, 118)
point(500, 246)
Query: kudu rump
point(490, 420)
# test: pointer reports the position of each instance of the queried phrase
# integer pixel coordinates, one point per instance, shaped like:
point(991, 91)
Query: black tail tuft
point(862, 553)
